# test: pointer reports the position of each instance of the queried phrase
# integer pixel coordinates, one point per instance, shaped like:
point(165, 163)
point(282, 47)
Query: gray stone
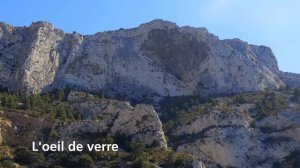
point(235, 139)
point(290, 79)
point(155, 59)
point(104, 116)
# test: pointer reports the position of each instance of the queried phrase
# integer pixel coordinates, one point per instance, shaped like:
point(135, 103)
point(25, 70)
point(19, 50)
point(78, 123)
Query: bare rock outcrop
point(239, 139)
point(104, 116)
point(155, 59)
point(290, 79)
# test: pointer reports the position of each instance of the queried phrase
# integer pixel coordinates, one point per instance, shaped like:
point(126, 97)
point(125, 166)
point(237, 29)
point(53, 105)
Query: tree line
point(52, 104)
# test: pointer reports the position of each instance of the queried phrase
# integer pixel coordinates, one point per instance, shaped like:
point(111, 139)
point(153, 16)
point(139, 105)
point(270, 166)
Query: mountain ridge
point(155, 59)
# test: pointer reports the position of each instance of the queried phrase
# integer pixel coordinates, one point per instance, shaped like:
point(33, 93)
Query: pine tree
point(33, 101)
point(4, 101)
point(69, 113)
point(47, 98)
point(27, 104)
point(77, 116)
point(21, 96)
point(11, 101)
point(52, 111)
point(61, 113)
point(60, 95)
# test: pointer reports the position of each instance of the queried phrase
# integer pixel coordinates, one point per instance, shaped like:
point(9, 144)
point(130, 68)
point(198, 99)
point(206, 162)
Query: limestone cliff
point(104, 116)
point(238, 135)
point(155, 59)
point(290, 79)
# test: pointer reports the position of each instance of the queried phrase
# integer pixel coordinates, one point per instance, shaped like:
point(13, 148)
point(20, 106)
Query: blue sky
point(274, 23)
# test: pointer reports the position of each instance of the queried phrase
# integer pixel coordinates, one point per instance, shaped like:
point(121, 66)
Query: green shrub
point(270, 104)
point(7, 164)
point(183, 160)
point(54, 135)
point(241, 99)
point(5, 152)
point(137, 149)
point(85, 161)
point(171, 105)
point(108, 139)
point(24, 156)
point(140, 163)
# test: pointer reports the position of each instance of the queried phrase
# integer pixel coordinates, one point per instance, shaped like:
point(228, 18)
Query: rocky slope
point(244, 130)
point(232, 134)
point(100, 117)
point(290, 79)
point(235, 145)
point(157, 58)
point(19, 129)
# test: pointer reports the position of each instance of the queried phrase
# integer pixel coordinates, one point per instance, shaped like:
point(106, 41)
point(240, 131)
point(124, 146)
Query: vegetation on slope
point(51, 105)
point(55, 107)
point(184, 109)
point(174, 111)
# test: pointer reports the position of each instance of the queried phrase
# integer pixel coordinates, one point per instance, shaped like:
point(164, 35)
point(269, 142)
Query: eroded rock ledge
point(104, 116)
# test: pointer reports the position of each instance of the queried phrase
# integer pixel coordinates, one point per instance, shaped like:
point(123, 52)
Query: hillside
point(244, 130)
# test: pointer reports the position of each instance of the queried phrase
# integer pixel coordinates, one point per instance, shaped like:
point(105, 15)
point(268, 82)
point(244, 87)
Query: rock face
point(155, 59)
point(239, 139)
point(139, 123)
point(290, 79)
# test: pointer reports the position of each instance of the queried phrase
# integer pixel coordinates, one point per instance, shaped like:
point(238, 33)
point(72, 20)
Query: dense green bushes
point(270, 104)
point(50, 104)
point(27, 157)
point(171, 105)
point(86, 161)
point(7, 164)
